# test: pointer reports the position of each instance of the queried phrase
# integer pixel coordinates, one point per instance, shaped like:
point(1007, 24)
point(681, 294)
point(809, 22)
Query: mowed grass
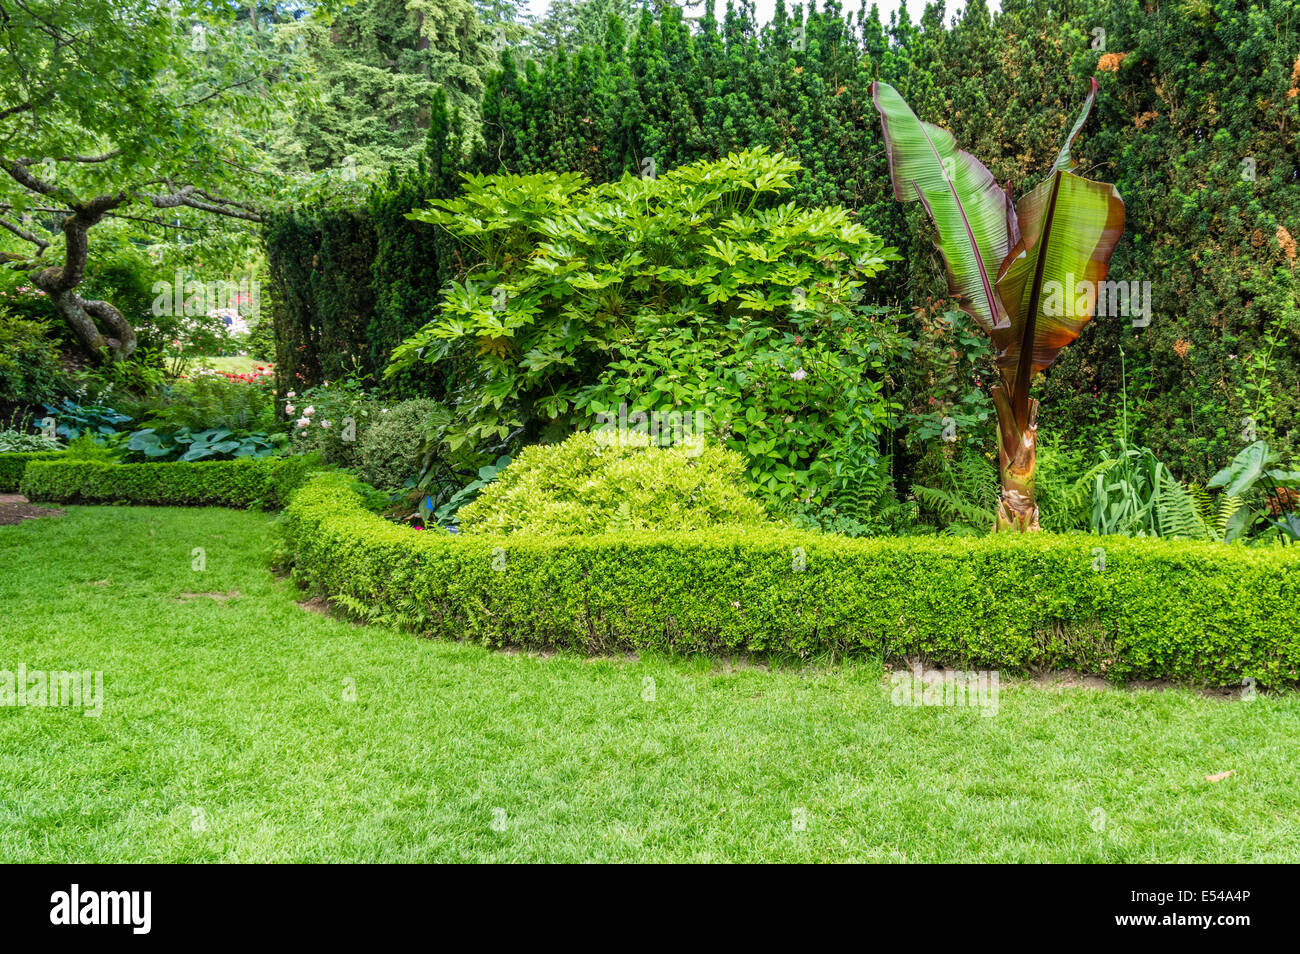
point(227, 734)
point(231, 364)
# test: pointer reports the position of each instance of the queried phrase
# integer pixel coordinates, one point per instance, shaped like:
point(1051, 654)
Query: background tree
point(123, 109)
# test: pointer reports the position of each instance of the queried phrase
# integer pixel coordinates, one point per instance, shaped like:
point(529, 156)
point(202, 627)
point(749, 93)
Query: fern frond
point(1228, 507)
point(953, 507)
point(1182, 511)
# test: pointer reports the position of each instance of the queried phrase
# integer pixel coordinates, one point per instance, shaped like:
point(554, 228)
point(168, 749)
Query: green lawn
point(231, 364)
point(226, 735)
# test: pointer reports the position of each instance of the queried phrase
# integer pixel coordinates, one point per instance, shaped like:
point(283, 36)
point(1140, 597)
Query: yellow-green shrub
point(591, 484)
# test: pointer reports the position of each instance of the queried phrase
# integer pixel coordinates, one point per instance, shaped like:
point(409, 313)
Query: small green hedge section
point(13, 463)
point(265, 482)
point(1198, 613)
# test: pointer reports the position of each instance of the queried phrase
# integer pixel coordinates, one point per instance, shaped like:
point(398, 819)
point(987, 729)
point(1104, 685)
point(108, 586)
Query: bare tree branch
point(193, 198)
point(23, 176)
point(27, 236)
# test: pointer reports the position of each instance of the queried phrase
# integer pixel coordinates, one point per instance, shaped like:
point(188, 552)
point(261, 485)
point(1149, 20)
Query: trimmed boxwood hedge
point(13, 463)
point(250, 481)
point(1191, 612)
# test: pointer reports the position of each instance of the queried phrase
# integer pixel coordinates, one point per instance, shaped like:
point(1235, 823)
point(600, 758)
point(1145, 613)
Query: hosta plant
point(1027, 272)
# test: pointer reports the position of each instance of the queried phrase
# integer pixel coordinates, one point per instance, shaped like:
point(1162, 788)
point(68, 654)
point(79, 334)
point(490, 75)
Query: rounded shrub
point(390, 449)
point(589, 484)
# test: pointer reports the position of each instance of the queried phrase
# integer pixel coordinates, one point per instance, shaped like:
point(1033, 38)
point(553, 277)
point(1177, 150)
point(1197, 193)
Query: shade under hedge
point(251, 481)
point(1192, 612)
point(13, 463)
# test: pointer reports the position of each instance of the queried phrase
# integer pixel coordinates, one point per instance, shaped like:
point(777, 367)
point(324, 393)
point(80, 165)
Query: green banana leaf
point(1069, 227)
point(1028, 275)
point(974, 216)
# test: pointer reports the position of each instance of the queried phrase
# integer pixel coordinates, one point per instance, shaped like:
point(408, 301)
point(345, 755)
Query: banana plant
point(1027, 272)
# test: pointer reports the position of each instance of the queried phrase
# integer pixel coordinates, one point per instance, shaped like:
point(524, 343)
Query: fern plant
point(1188, 512)
point(864, 503)
point(967, 498)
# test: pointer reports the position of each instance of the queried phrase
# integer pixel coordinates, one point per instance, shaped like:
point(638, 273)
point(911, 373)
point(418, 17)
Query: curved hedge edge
point(14, 463)
point(266, 482)
point(1194, 613)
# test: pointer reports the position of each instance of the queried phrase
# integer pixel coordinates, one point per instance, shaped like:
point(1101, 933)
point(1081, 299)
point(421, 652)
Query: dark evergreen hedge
point(1196, 123)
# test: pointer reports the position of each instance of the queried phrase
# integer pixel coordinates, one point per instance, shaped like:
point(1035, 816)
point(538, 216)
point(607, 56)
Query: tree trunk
point(101, 330)
point(80, 314)
point(1017, 459)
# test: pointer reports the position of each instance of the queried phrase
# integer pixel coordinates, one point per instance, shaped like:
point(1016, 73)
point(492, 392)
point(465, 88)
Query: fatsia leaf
point(973, 215)
point(1244, 470)
point(1050, 279)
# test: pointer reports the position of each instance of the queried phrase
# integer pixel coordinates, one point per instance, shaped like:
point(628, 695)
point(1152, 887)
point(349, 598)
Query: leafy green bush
point(320, 418)
point(1113, 606)
point(13, 464)
point(29, 362)
point(391, 448)
point(209, 399)
point(92, 447)
point(214, 443)
point(20, 442)
point(694, 290)
point(262, 482)
point(73, 420)
point(589, 484)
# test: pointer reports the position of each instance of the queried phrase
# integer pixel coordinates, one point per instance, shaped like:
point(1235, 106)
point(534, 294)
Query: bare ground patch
point(217, 597)
point(14, 509)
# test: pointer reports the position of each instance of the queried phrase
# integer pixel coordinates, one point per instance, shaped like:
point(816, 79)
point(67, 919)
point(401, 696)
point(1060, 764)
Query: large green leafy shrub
point(330, 419)
point(248, 482)
point(29, 362)
point(592, 484)
point(693, 290)
point(391, 447)
point(1113, 606)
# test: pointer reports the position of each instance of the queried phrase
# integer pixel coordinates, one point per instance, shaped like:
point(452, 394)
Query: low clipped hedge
point(1191, 612)
point(252, 481)
point(13, 463)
